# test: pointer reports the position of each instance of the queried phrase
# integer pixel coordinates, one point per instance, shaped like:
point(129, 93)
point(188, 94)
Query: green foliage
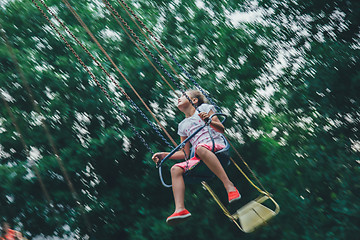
point(289, 80)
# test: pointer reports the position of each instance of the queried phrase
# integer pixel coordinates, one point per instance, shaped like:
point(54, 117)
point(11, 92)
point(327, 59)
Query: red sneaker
point(177, 218)
point(234, 195)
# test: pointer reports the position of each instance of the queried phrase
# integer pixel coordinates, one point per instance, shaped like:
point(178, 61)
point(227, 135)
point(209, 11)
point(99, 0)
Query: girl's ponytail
point(197, 94)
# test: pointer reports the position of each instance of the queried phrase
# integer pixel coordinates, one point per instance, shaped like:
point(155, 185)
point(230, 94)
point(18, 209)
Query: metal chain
point(133, 104)
point(170, 55)
point(149, 52)
point(94, 78)
point(72, 10)
point(151, 124)
point(154, 46)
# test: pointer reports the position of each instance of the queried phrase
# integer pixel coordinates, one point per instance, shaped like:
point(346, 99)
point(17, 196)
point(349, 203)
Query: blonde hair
point(197, 94)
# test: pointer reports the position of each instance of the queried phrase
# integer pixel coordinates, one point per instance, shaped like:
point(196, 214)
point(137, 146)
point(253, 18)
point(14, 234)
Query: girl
point(203, 146)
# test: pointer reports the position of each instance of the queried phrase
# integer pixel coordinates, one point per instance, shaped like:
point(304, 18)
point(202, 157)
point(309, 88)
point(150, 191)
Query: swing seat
point(201, 172)
point(255, 214)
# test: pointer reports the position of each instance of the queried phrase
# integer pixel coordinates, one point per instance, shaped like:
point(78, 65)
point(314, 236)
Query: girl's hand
point(204, 116)
point(158, 156)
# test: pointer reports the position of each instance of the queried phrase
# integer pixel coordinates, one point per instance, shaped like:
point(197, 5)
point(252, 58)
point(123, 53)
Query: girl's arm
point(215, 122)
point(177, 155)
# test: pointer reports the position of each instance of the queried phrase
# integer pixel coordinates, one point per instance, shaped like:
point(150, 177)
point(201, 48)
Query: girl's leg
point(213, 163)
point(178, 187)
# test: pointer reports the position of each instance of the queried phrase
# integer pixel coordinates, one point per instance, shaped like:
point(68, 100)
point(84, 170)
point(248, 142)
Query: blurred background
point(72, 165)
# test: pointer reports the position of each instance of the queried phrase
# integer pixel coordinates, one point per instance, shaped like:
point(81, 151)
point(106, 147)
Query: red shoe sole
point(234, 199)
point(172, 221)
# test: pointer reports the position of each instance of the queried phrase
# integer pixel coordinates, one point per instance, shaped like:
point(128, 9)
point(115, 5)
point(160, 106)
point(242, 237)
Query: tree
point(288, 81)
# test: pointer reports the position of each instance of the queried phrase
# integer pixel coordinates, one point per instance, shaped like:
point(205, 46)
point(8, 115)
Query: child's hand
point(158, 156)
point(204, 116)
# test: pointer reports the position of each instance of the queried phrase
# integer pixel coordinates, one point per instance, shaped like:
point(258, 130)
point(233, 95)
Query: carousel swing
point(249, 217)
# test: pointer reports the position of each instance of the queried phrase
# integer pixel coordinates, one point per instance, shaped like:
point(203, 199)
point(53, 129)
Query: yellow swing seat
point(251, 216)
point(254, 214)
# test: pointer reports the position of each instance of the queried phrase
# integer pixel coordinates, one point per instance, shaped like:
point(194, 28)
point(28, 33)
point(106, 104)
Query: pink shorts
point(192, 162)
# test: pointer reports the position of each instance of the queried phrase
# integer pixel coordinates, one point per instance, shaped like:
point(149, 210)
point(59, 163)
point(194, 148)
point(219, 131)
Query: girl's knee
point(176, 170)
point(201, 150)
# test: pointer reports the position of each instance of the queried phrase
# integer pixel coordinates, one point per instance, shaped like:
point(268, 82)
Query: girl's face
point(183, 101)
